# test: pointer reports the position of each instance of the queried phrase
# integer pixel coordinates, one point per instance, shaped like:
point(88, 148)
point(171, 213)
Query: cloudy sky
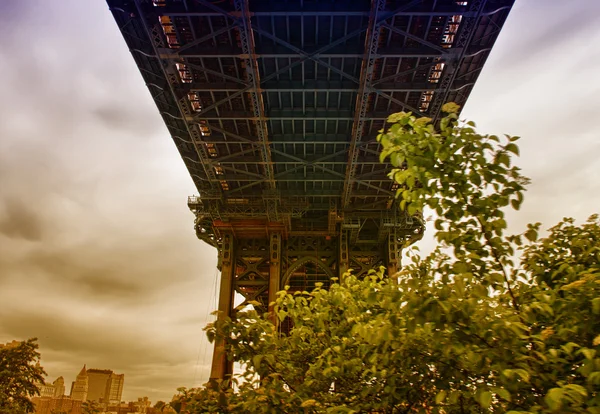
point(98, 258)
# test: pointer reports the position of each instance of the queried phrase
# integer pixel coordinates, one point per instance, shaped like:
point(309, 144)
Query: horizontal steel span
point(271, 102)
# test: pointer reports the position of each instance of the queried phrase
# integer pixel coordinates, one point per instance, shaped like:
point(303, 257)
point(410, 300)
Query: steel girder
point(464, 37)
point(247, 42)
point(373, 33)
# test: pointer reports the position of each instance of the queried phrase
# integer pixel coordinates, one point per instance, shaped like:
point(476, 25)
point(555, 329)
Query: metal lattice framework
point(275, 105)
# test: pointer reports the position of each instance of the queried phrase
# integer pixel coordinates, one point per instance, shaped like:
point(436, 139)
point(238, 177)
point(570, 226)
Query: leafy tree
point(90, 407)
point(165, 407)
point(488, 322)
point(20, 371)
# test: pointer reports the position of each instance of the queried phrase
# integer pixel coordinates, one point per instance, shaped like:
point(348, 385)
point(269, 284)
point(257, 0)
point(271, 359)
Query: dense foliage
point(488, 322)
point(20, 371)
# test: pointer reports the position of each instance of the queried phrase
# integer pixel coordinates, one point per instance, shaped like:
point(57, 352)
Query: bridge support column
point(274, 273)
point(393, 256)
point(221, 367)
point(344, 254)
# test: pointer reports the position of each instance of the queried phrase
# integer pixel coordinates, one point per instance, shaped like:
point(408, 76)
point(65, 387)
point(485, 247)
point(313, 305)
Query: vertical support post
point(221, 368)
point(344, 258)
point(274, 273)
point(393, 251)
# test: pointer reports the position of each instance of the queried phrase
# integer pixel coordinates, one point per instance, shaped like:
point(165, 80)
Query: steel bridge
point(274, 106)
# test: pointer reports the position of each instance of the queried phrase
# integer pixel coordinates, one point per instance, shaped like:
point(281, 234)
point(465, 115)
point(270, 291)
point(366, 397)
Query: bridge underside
point(275, 105)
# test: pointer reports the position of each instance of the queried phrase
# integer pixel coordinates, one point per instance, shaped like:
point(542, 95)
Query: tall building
point(115, 388)
point(79, 389)
point(105, 386)
point(59, 387)
point(98, 383)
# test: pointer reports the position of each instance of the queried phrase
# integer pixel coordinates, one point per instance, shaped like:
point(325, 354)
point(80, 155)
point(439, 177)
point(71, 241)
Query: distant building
point(59, 387)
point(105, 386)
point(46, 390)
point(115, 387)
point(52, 405)
point(56, 389)
point(98, 384)
point(79, 388)
point(142, 405)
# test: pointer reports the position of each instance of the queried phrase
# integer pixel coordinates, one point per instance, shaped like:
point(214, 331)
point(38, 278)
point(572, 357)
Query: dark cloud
point(87, 339)
point(118, 272)
point(19, 220)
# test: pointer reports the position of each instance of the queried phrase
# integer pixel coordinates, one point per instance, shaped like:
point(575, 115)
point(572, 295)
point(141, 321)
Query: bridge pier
point(257, 267)
point(221, 367)
point(274, 274)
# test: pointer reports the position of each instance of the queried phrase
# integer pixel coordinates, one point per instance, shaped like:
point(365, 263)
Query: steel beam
point(424, 42)
point(466, 32)
point(247, 41)
point(309, 87)
point(373, 33)
point(391, 53)
point(200, 151)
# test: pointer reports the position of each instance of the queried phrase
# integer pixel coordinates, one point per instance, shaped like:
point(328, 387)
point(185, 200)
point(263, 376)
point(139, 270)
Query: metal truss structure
point(275, 105)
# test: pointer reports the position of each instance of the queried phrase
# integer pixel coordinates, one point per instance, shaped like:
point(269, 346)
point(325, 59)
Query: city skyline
point(90, 384)
point(99, 257)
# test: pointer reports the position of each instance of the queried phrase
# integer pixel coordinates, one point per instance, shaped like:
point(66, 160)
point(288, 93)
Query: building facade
point(104, 386)
point(51, 405)
point(98, 384)
point(59, 387)
point(56, 389)
point(115, 388)
point(79, 389)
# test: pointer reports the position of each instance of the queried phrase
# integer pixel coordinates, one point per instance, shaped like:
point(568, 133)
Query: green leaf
point(440, 397)
point(587, 353)
point(385, 153)
point(512, 148)
point(450, 108)
point(531, 235)
point(309, 403)
point(502, 393)
point(503, 158)
point(596, 306)
point(485, 399)
point(554, 399)
point(396, 159)
point(256, 360)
